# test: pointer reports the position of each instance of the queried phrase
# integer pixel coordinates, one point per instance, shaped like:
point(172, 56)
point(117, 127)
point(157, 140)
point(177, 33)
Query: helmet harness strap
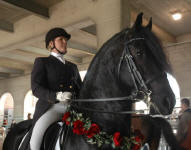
point(54, 47)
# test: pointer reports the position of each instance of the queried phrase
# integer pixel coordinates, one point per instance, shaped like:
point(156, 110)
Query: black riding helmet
point(55, 32)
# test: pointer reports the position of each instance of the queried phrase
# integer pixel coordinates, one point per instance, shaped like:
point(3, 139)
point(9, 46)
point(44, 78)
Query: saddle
point(19, 130)
point(55, 136)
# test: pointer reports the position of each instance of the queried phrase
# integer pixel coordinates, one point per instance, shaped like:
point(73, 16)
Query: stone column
point(111, 17)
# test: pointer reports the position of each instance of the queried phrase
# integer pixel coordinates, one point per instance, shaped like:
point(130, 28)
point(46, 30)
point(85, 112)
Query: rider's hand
point(63, 96)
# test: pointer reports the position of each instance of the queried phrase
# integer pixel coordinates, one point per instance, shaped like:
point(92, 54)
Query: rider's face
point(61, 44)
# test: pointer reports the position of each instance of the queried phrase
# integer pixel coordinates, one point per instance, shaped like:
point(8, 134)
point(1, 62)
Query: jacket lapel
point(55, 63)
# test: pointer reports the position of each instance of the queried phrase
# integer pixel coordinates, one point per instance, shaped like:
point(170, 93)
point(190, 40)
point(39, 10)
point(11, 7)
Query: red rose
point(93, 130)
point(117, 139)
point(138, 139)
point(136, 147)
point(67, 122)
point(139, 134)
point(65, 117)
point(78, 127)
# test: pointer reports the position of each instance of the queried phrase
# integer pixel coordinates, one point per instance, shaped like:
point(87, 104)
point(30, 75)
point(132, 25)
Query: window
point(6, 108)
point(29, 104)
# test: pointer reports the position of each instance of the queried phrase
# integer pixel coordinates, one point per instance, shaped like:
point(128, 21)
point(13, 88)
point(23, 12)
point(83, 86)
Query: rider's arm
point(39, 82)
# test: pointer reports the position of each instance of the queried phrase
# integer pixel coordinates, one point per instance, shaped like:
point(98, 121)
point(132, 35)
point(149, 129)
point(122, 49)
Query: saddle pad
point(16, 134)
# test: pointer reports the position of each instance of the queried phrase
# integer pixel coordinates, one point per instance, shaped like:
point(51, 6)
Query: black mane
point(104, 55)
point(153, 43)
point(156, 50)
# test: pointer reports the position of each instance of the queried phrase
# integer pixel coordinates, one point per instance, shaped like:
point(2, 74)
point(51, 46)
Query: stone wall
point(18, 88)
point(180, 59)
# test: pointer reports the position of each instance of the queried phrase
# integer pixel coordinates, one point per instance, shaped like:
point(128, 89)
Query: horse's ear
point(149, 25)
point(138, 22)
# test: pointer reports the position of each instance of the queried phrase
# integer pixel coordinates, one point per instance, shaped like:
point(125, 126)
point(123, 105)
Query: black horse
point(128, 67)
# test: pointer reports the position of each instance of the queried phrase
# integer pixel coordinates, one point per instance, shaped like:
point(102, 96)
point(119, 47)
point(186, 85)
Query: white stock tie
point(61, 59)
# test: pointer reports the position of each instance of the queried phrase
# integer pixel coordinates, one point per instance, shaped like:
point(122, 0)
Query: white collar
point(58, 56)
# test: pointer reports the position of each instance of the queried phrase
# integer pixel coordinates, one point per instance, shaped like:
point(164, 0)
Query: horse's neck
point(106, 88)
point(100, 85)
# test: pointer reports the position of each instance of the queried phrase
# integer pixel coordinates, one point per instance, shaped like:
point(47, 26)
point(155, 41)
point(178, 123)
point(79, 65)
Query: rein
point(107, 100)
point(110, 112)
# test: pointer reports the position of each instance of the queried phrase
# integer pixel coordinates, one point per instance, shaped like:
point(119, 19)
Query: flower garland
point(93, 134)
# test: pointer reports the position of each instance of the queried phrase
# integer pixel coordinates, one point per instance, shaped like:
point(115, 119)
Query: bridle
point(141, 92)
point(135, 74)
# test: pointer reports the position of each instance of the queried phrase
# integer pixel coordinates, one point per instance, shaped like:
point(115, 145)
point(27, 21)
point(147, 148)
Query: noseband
point(141, 92)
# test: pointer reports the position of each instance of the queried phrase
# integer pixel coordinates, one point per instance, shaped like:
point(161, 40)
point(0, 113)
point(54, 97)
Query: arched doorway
point(6, 108)
point(29, 104)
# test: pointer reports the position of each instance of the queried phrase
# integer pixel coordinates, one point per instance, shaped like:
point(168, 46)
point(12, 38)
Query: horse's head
point(143, 50)
point(131, 62)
